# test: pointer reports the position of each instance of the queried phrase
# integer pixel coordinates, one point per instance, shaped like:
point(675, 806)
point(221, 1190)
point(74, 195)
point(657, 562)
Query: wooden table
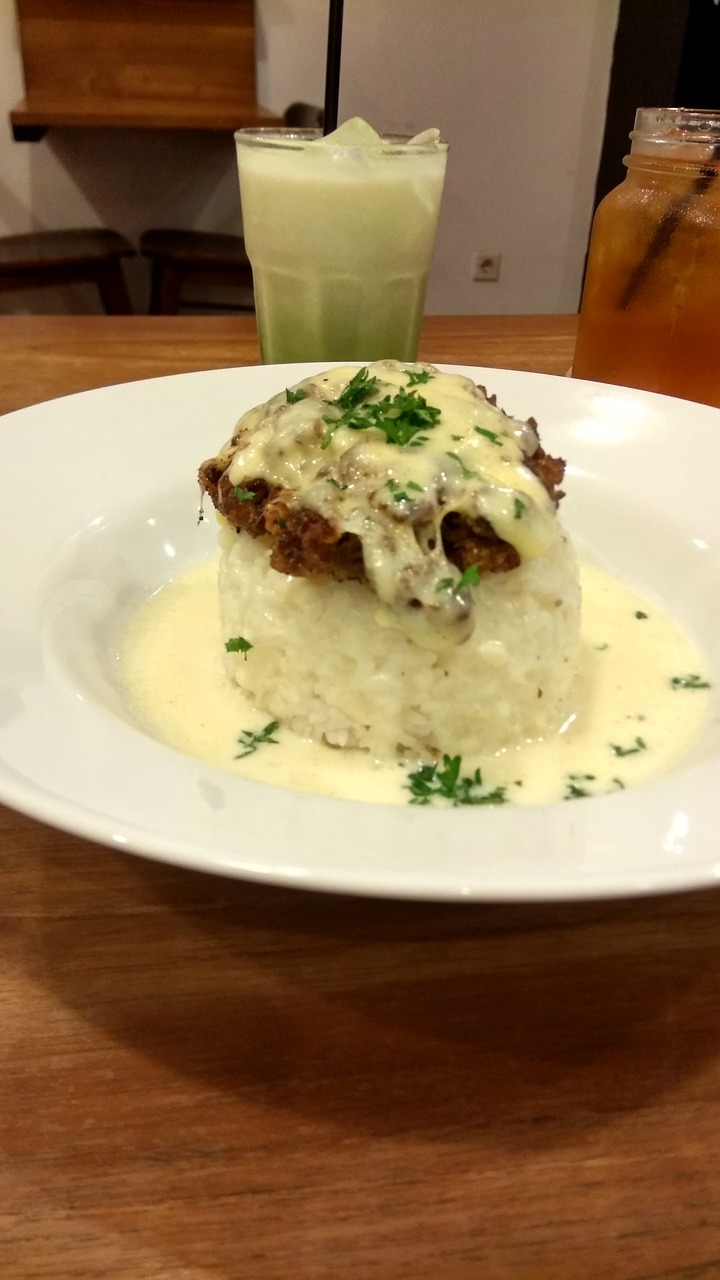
point(42, 357)
point(210, 1080)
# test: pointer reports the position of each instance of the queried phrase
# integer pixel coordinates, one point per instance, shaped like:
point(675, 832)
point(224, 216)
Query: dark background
point(666, 54)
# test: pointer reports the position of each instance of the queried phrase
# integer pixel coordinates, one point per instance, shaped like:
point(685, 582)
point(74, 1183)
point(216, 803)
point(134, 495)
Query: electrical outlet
point(485, 266)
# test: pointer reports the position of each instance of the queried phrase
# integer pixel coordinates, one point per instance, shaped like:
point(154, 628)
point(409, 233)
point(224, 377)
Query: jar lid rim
point(672, 124)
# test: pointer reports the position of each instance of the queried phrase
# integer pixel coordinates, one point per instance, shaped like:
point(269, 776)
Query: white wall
point(517, 87)
point(519, 90)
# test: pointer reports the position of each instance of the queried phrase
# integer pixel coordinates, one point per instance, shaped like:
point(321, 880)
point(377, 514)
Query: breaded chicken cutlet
point(307, 543)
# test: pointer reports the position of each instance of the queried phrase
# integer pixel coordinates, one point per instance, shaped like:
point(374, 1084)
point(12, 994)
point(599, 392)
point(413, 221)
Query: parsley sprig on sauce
point(575, 788)
point(468, 578)
point(492, 436)
point(638, 746)
point(358, 389)
point(399, 494)
point(467, 474)
point(238, 644)
point(250, 741)
point(431, 782)
point(420, 375)
point(402, 418)
point(689, 682)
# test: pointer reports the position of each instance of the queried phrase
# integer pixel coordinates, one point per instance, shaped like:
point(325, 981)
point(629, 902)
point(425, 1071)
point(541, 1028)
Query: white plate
point(99, 509)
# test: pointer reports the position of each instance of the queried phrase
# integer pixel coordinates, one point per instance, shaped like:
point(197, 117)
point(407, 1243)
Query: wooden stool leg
point(167, 279)
point(156, 282)
point(113, 288)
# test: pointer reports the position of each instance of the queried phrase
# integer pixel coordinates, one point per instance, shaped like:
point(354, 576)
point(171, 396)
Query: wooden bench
point(44, 259)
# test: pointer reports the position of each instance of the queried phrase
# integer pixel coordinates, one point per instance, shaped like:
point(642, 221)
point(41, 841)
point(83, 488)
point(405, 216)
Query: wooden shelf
point(165, 64)
point(32, 117)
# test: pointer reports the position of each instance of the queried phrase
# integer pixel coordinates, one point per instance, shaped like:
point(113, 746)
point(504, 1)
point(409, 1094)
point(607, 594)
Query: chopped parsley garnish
point(335, 483)
point(250, 741)
point(574, 788)
point(602, 647)
point(244, 495)
point(638, 745)
point(399, 495)
point(468, 578)
point(489, 435)
point(467, 473)
point(431, 782)
point(574, 792)
point(423, 375)
point(689, 682)
point(618, 782)
point(333, 424)
point(360, 386)
point(358, 389)
point(639, 614)
point(519, 508)
point(400, 419)
point(292, 397)
point(238, 644)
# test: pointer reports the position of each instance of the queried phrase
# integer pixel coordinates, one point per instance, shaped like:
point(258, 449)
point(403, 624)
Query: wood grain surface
point(46, 356)
point(208, 1080)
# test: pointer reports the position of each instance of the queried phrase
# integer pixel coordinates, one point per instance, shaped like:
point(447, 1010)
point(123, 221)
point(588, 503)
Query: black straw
point(666, 229)
point(332, 66)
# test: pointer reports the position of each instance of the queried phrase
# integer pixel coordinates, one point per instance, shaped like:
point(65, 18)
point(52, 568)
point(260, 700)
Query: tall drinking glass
point(340, 235)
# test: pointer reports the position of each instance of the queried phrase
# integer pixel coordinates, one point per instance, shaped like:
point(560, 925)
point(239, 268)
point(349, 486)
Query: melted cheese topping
point(394, 496)
point(631, 723)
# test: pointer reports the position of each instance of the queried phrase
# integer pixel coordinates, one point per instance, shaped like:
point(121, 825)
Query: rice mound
point(322, 665)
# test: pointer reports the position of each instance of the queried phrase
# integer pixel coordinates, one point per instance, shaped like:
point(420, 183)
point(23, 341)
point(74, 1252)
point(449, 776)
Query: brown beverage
point(650, 314)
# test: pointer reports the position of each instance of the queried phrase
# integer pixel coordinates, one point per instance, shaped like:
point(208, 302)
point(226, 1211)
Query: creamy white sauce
point(171, 665)
point(470, 459)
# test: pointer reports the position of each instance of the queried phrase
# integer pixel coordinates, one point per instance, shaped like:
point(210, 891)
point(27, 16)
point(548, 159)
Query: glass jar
point(650, 313)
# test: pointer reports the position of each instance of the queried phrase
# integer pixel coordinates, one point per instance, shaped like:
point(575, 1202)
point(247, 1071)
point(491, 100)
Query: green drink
point(340, 233)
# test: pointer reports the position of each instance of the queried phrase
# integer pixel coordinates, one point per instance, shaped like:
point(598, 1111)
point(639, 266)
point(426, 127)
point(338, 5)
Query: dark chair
point(45, 259)
point(206, 257)
point(192, 257)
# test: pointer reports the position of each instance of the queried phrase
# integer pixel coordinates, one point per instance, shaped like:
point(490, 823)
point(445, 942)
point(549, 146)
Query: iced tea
point(650, 313)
